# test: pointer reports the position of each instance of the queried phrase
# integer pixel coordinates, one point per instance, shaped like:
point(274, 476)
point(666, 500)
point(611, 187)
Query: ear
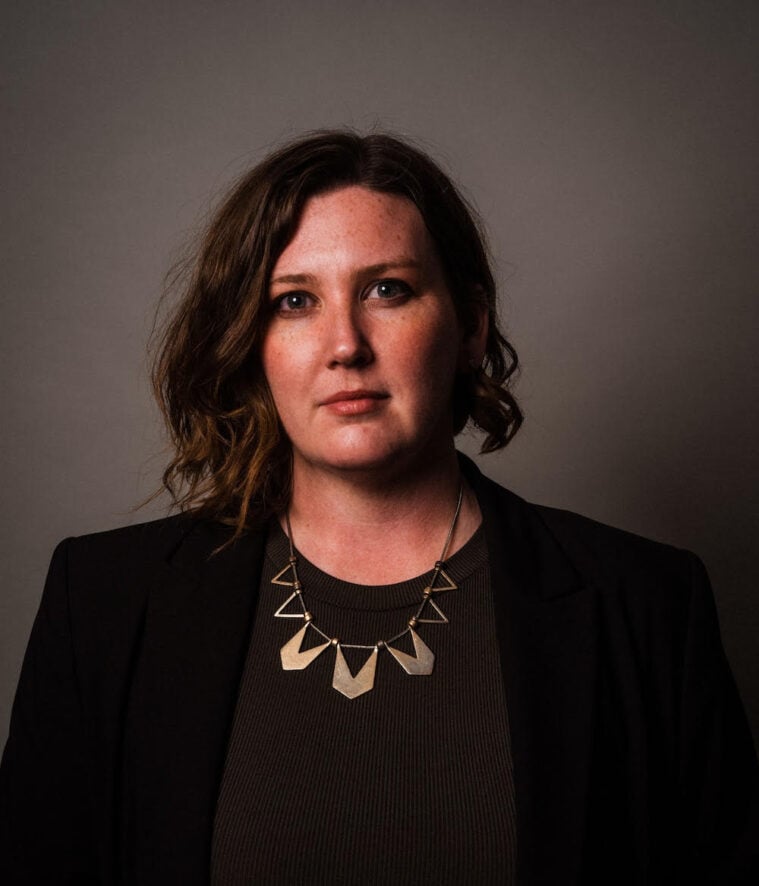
point(475, 336)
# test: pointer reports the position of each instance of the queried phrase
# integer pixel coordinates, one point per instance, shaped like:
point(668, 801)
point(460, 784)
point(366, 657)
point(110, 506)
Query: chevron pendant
point(295, 660)
point(419, 665)
point(345, 682)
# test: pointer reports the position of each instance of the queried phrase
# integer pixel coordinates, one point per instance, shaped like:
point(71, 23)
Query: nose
point(348, 338)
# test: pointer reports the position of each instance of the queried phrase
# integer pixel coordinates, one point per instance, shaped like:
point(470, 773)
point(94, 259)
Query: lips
point(349, 404)
point(361, 394)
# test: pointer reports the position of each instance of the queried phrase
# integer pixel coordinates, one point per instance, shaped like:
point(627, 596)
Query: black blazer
point(633, 762)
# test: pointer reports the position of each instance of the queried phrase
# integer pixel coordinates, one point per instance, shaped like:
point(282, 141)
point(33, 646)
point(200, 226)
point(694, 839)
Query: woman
point(232, 693)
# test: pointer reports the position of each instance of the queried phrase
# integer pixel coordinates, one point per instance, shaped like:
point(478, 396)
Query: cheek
point(279, 362)
point(431, 360)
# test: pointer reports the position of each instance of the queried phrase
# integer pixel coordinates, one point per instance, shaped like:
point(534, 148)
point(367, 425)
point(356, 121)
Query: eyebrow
point(368, 271)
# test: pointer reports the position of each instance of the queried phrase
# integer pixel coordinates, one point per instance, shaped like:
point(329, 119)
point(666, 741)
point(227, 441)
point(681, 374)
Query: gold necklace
point(421, 663)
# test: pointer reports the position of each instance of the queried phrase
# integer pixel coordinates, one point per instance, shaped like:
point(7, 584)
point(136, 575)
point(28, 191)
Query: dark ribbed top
point(408, 783)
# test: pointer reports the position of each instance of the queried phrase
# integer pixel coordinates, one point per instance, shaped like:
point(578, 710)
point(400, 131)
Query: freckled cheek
point(283, 361)
point(271, 361)
point(428, 366)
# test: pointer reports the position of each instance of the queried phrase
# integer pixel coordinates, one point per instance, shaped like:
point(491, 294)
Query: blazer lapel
point(197, 626)
point(546, 622)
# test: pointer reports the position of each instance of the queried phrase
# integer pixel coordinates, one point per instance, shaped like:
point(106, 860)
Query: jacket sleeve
point(45, 807)
point(719, 770)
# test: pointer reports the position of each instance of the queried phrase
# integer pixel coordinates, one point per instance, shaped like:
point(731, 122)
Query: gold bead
point(428, 592)
point(308, 616)
point(335, 641)
point(412, 622)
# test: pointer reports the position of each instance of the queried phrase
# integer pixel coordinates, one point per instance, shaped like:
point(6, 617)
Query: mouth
point(356, 402)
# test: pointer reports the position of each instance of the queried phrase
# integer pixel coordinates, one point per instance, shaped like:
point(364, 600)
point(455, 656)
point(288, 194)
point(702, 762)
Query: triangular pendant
point(449, 585)
point(432, 621)
point(345, 682)
point(281, 614)
point(295, 660)
point(419, 665)
point(277, 580)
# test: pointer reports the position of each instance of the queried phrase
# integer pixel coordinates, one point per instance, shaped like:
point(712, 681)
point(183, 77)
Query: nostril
point(351, 349)
point(353, 358)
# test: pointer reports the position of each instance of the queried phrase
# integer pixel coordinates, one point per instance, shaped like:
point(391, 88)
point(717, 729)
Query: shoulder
point(609, 551)
point(121, 552)
point(117, 567)
point(598, 554)
point(632, 573)
point(146, 544)
point(152, 536)
point(130, 558)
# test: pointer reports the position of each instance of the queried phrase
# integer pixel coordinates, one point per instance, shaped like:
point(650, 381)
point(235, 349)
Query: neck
point(380, 529)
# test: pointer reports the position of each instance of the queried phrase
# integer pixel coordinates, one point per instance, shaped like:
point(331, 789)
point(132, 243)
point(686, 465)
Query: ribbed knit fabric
point(410, 783)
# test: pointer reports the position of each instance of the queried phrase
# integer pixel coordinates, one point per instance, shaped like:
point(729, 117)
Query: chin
point(360, 461)
point(380, 457)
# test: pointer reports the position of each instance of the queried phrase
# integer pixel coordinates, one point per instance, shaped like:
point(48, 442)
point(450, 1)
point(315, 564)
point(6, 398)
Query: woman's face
point(363, 342)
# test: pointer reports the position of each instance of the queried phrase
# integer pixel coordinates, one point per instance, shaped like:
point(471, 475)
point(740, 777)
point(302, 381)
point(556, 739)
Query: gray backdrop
point(611, 147)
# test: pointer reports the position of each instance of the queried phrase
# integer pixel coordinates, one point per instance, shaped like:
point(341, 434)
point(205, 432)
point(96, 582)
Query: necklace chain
point(294, 658)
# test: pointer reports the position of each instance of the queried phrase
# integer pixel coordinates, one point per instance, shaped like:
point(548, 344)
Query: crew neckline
point(319, 585)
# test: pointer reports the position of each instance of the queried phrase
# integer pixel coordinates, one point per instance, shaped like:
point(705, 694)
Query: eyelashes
point(386, 290)
point(292, 302)
point(389, 289)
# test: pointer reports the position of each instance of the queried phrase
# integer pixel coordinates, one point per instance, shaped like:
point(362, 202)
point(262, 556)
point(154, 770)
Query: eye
point(388, 290)
point(292, 302)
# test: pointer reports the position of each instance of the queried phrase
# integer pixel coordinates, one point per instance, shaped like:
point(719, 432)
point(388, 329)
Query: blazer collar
point(547, 624)
point(522, 549)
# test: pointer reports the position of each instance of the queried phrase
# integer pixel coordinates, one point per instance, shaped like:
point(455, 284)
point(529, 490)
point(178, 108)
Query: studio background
point(610, 146)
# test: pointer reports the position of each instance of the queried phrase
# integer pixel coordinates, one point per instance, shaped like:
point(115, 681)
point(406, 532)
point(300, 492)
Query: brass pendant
point(345, 682)
point(295, 660)
point(280, 613)
point(449, 585)
point(419, 665)
point(428, 621)
point(277, 580)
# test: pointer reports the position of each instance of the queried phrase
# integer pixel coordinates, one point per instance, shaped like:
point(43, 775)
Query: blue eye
point(292, 301)
point(389, 289)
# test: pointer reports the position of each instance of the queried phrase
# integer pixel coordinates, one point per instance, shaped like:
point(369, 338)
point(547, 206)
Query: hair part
point(231, 458)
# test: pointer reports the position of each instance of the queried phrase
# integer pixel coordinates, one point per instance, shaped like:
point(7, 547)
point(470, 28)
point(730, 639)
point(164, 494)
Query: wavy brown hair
point(231, 457)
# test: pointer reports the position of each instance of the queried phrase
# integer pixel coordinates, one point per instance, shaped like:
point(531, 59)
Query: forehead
point(355, 226)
